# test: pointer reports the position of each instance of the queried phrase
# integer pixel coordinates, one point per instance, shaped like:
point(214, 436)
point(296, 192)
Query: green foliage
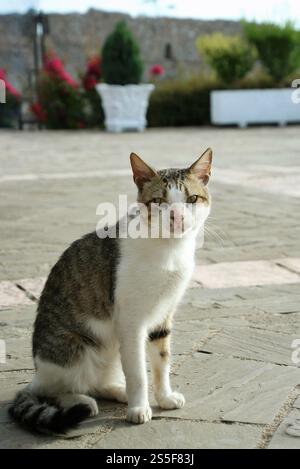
point(181, 103)
point(121, 60)
point(93, 111)
point(61, 102)
point(230, 56)
point(278, 47)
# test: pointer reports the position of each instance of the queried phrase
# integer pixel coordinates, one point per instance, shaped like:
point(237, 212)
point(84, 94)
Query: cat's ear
point(141, 171)
point(202, 166)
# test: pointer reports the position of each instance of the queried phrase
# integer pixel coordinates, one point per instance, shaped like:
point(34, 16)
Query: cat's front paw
point(139, 414)
point(175, 400)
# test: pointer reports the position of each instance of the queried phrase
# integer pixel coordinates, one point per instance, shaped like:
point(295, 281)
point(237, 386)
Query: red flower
point(54, 66)
point(157, 70)
point(94, 67)
point(93, 73)
point(89, 82)
point(8, 86)
point(39, 112)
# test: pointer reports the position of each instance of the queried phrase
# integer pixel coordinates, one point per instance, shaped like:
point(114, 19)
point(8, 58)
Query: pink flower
point(54, 66)
point(93, 73)
point(39, 112)
point(89, 82)
point(157, 70)
point(94, 67)
point(8, 86)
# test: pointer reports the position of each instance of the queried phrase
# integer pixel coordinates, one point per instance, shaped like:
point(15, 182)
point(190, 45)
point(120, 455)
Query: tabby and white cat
point(103, 302)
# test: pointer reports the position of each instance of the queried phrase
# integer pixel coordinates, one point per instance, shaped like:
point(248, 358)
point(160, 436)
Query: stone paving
point(235, 330)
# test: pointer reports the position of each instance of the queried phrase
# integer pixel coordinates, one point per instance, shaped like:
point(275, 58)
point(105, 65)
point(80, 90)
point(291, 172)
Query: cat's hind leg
point(160, 354)
point(113, 393)
point(112, 382)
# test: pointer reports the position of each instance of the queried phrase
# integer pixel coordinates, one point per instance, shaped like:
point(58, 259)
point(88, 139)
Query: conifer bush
point(121, 59)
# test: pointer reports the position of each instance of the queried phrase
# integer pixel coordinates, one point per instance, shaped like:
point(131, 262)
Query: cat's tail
point(40, 415)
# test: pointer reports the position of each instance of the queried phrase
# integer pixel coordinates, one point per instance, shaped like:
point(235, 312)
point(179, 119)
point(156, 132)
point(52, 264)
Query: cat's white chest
point(152, 278)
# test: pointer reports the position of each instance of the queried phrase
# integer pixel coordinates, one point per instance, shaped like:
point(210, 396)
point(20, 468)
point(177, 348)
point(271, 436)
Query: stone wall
point(76, 36)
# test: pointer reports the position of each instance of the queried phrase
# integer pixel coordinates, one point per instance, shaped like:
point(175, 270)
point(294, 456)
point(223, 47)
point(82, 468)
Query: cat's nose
point(176, 216)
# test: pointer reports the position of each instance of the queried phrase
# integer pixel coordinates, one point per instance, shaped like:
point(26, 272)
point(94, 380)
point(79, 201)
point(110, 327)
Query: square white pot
point(125, 106)
point(260, 106)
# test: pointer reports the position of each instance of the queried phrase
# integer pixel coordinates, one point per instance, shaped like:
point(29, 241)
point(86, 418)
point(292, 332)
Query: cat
point(105, 302)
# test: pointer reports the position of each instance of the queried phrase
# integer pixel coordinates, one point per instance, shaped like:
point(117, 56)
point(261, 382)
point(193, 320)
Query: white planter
point(243, 107)
point(125, 106)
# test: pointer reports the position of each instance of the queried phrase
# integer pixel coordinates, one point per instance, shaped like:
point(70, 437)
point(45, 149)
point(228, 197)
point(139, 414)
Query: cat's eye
point(156, 200)
point(192, 199)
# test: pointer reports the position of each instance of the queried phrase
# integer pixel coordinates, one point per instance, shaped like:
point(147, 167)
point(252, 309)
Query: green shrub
point(181, 103)
point(93, 111)
point(278, 47)
point(230, 56)
point(121, 60)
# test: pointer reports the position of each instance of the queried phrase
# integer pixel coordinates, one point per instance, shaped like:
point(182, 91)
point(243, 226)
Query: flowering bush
point(93, 73)
point(55, 68)
point(39, 112)
point(64, 102)
point(93, 110)
point(10, 89)
point(59, 102)
point(9, 111)
point(157, 70)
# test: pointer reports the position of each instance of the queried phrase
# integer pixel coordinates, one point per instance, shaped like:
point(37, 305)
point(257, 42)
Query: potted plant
point(124, 99)
point(277, 48)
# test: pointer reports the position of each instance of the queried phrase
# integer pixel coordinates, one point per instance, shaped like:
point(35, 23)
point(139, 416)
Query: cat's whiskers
point(214, 235)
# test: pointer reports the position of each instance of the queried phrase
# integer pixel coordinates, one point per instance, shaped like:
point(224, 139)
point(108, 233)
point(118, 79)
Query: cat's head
point(181, 192)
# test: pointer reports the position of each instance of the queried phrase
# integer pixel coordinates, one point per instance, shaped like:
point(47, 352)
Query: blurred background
point(188, 49)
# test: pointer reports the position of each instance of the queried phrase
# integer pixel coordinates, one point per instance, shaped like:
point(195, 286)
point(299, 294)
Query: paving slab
point(231, 274)
point(11, 295)
point(174, 434)
point(242, 311)
point(255, 344)
point(231, 389)
point(281, 439)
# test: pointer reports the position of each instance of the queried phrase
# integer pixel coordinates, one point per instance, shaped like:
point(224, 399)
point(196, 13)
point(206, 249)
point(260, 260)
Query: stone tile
point(232, 389)
point(281, 439)
point(174, 434)
point(297, 403)
point(232, 274)
point(10, 383)
point(34, 286)
point(13, 437)
point(10, 295)
point(186, 337)
point(255, 344)
point(18, 354)
point(293, 264)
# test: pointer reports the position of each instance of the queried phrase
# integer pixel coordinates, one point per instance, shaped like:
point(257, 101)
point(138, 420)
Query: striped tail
point(39, 415)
